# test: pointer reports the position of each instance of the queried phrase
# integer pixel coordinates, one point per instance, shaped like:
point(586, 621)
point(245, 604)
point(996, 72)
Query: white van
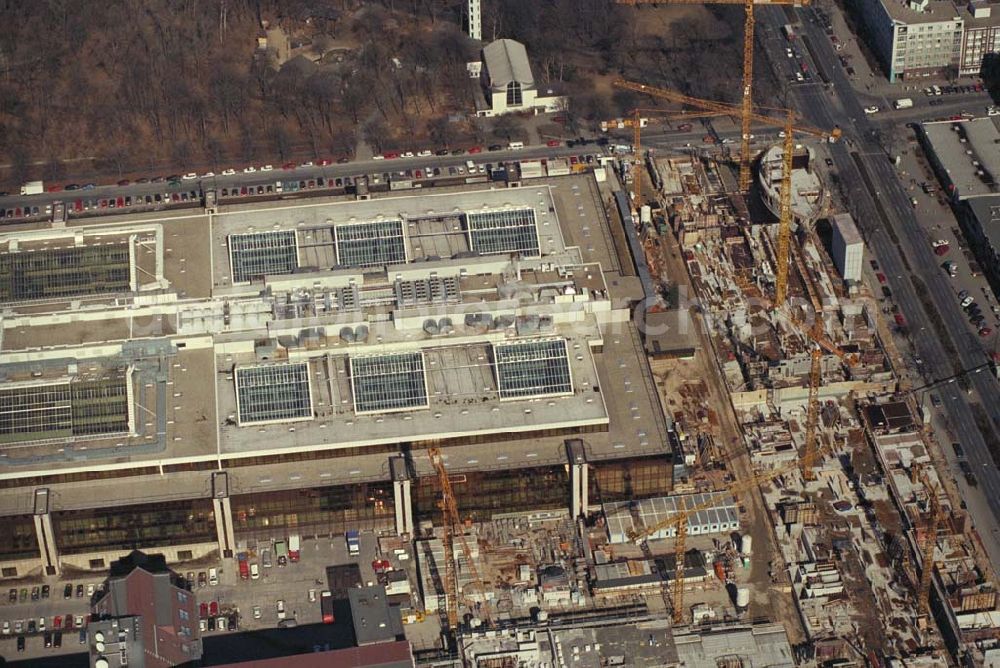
point(213, 576)
point(471, 166)
point(515, 145)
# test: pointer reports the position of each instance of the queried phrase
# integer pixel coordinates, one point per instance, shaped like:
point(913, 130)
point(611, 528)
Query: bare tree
point(376, 132)
point(441, 131)
point(54, 169)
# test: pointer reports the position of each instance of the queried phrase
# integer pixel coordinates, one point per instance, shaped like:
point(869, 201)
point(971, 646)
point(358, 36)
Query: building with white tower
point(474, 16)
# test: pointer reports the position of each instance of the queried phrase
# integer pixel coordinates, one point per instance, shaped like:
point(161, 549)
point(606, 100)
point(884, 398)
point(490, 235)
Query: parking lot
point(45, 618)
point(233, 604)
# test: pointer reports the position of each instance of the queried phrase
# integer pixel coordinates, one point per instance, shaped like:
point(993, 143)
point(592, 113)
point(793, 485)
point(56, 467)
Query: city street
point(263, 178)
point(886, 218)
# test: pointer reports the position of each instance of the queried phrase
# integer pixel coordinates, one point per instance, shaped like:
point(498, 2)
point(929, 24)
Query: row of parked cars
point(472, 150)
point(212, 618)
point(932, 91)
point(52, 636)
point(42, 592)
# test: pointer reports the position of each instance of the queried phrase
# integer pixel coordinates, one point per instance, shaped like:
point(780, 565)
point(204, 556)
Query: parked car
point(68, 590)
point(280, 606)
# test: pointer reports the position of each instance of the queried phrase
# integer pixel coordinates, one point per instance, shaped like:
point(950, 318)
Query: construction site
point(644, 412)
point(804, 492)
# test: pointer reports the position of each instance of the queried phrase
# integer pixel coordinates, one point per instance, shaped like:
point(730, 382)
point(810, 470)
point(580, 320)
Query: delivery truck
point(33, 188)
point(353, 543)
point(294, 549)
point(903, 103)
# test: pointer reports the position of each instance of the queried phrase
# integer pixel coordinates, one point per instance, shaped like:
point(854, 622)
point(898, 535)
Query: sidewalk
point(873, 86)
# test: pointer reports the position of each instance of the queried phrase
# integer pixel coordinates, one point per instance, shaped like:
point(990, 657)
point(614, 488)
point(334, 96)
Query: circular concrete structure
point(809, 197)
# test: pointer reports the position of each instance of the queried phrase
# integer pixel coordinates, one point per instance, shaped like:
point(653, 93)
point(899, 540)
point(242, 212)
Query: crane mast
point(452, 519)
point(746, 102)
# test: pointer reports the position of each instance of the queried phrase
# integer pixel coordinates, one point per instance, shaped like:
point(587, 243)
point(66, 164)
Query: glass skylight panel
point(370, 244)
point(533, 368)
point(385, 383)
point(273, 393)
point(503, 231)
point(258, 254)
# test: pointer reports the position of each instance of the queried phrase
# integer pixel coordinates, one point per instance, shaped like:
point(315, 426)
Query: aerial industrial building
point(176, 381)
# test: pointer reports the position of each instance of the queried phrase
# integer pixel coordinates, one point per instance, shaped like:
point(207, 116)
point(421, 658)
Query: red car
point(900, 320)
point(323, 163)
point(120, 202)
point(476, 149)
point(57, 622)
point(942, 249)
point(78, 205)
point(881, 277)
point(53, 189)
point(124, 182)
point(390, 156)
point(203, 610)
point(289, 165)
point(213, 608)
point(985, 331)
point(552, 142)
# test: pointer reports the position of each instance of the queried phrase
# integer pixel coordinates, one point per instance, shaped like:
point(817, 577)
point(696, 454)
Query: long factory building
point(191, 381)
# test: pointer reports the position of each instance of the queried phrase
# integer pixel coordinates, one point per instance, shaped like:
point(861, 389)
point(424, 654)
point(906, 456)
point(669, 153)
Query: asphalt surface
point(258, 177)
point(883, 210)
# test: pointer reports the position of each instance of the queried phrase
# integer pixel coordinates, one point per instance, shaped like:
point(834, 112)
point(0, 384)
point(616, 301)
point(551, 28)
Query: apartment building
point(931, 38)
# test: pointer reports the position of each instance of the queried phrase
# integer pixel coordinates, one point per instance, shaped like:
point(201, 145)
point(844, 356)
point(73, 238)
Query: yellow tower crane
point(935, 517)
point(746, 106)
point(679, 520)
point(449, 509)
point(785, 218)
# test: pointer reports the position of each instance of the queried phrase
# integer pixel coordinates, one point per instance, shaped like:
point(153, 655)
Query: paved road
point(333, 171)
point(881, 202)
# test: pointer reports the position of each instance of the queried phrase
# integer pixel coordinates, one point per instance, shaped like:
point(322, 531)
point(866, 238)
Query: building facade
point(474, 19)
point(981, 37)
point(508, 85)
point(258, 371)
point(930, 38)
point(848, 248)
